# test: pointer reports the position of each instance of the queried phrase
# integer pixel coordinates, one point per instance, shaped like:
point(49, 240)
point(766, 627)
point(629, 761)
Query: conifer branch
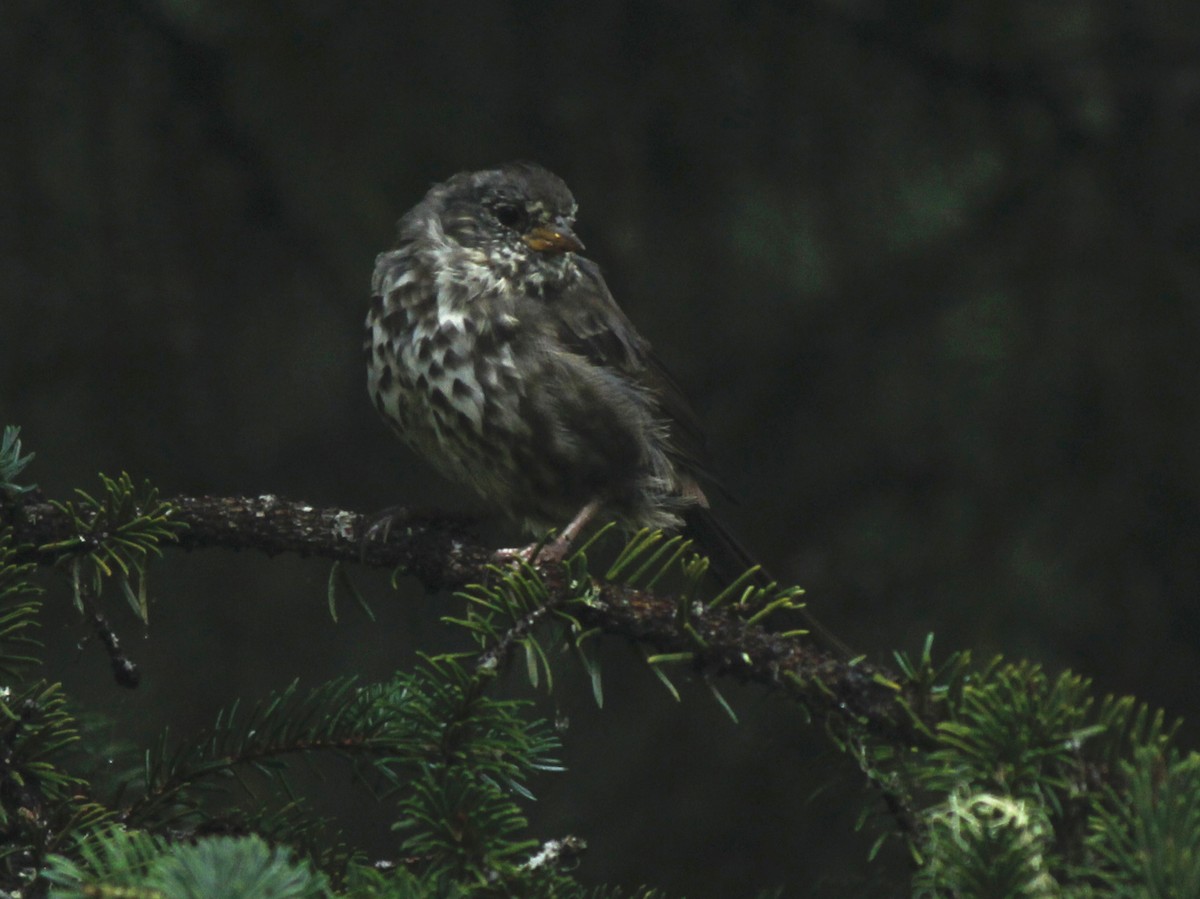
point(436, 549)
point(1022, 780)
point(440, 552)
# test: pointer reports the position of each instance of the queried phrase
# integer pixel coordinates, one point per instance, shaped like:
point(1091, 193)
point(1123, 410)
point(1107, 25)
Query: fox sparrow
point(497, 352)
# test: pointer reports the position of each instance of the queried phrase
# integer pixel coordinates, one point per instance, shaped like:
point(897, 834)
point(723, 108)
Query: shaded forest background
point(929, 272)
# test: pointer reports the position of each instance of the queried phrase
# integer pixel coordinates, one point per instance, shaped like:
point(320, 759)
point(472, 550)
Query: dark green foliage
point(234, 868)
point(1015, 731)
point(42, 806)
point(38, 797)
point(986, 845)
point(449, 756)
point(1146, 836)
point(12, 463)
point(116, 534)
point(18, 613)
point(368, 883)
point(449, 760)
point(125, 864)
point(112, 859)
point(463, 823)
point(1035, 789)
point(337, 717)
point(1011, 782)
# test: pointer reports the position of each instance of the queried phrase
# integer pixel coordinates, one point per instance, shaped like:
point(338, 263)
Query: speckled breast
point(444, 380)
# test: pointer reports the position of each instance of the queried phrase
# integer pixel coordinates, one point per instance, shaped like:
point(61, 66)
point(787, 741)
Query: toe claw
point(380, 527)
point(549, 552)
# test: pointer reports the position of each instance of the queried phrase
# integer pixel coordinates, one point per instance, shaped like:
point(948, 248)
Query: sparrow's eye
point(509, 216)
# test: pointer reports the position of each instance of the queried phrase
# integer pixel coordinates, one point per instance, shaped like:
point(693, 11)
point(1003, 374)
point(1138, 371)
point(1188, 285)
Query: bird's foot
point(379, 526)
point(552, 551)
point(549, 552)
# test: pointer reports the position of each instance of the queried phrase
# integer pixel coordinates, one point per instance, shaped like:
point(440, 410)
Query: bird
point(496, 351)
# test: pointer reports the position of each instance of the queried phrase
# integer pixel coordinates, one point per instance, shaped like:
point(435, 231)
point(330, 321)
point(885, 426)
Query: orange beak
point(553, 239)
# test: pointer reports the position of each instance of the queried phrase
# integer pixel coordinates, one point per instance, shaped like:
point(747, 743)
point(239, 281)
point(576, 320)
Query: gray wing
point(589, 322)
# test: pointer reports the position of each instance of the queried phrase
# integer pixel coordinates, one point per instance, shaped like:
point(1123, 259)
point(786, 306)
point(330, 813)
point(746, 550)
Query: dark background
point(928, 270)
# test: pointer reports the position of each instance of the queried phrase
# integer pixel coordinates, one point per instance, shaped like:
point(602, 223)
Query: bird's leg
point(581, 520)
point(556, 549)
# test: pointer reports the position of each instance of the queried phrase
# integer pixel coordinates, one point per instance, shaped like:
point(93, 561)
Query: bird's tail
point(730, 560)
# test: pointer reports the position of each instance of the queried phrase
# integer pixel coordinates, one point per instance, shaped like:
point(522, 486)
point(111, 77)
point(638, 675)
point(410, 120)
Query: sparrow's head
point(516, 219)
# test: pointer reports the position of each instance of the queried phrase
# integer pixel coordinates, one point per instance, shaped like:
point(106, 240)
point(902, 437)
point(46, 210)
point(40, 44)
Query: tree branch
point(441, 553)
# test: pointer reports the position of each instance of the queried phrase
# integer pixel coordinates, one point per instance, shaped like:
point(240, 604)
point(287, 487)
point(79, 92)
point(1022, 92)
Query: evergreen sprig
point(300, 826)
point(1025, 767)
point(44, 806)
point(130, 864)
point(474, 755)
point(111, 862)
point(18, 612)
point(12, 463)
point(1145, 838)
point(446, 751)
point(115, 534)
point(35, 726)
point(1016, 731)
point(448, 719)
point(503, 615)
point(338, 717)
point(463, 823)
point(234, 868)
point(987, 844)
